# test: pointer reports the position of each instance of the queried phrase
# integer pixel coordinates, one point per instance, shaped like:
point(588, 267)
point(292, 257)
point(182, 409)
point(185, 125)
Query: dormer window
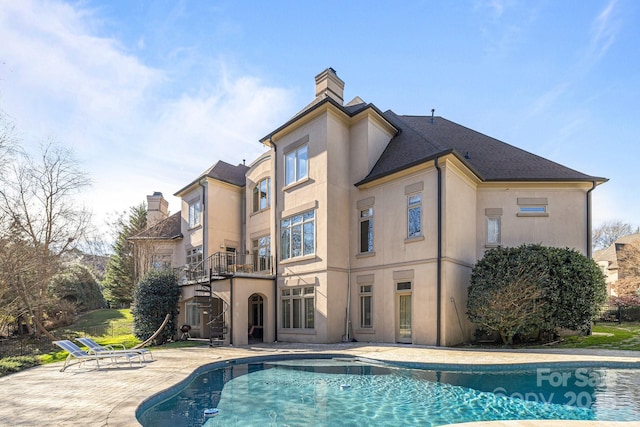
point(262, 195)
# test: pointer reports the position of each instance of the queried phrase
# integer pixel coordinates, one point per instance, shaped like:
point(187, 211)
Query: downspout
point(346, 334)
point(231, 310)
point(274, 193)
point(589, 224)
point(439, 259)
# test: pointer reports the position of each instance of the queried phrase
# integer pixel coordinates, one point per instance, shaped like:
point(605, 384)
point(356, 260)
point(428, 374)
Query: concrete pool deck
point(109, 397)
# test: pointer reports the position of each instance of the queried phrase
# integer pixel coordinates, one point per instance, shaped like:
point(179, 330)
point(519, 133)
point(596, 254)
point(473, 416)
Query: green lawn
point(106, 327)
point(114, 327)
point(611, 336)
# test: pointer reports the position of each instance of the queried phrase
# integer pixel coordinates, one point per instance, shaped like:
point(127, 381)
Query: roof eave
point(328, 100)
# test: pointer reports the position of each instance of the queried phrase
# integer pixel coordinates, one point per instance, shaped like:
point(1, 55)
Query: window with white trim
point(366, 306)
point(298, 308)
point(194, 256)
point(262, 253)
point(298, 235)
point(414, 215)
point(533, 206)
point(366, 230)
point(296, 165)
point(262, 195)
point(494, 236)
point(195, 211)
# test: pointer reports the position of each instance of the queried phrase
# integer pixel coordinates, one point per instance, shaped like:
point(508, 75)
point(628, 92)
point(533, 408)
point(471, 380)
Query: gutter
point(439, 260)
point(589, 221)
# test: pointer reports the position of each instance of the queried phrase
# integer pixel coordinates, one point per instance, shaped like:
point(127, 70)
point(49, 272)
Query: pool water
point(330, 392)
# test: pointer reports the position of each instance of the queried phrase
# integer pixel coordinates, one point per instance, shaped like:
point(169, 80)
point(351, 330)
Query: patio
point(109, 397)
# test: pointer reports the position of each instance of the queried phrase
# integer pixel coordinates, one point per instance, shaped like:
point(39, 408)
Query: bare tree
point(628, 282)
point(610, 231)
point(510, 308)
point(40, 220)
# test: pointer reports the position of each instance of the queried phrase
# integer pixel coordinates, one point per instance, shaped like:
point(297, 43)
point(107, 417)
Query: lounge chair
point(96, 348)
point(78, 353)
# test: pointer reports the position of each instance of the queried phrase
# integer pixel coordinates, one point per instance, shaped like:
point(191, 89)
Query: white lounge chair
point(96, 348)
point(76, 352)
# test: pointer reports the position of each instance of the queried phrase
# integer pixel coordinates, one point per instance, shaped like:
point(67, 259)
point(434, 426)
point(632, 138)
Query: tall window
point(298, 308)
point(195, 209)
point(297, 235)
point(366, 230)
point(366, 306)
point(494, 226)
point(262, 253)
point(414, 215)
point(194, 256)
point(296, 165)
point(493, 231)
point(262, 195)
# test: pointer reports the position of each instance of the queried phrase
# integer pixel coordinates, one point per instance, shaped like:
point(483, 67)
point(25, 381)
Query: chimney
point(329, 84)
point(157, 209)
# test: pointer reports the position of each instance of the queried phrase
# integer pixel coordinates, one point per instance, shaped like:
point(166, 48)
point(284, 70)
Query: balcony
point(222, 265)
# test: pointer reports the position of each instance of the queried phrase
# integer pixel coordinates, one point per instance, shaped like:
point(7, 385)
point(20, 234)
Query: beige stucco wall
point(225, 207)
point(566, 225)
point(192, 236)
point(243, 289)
point(260, 223)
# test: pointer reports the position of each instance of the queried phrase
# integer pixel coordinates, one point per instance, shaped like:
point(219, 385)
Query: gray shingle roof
point(420, 139)
point(166, 229)
point(222, 171)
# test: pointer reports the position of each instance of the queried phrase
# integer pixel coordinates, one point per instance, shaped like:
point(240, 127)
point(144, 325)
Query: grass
point(9, 365)
point(115, 325)
point(118, 325)
point(608, 336)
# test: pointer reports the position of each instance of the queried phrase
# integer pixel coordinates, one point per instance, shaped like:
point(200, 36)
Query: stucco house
point(358, 224)
point(608, 259)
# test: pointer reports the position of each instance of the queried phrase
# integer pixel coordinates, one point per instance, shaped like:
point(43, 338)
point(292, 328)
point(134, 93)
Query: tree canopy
point(78, 285)
point(121, 275)
point(534, 288)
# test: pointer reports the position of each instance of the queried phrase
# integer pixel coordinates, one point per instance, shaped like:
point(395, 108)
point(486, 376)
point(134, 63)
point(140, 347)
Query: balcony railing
point(226, 264)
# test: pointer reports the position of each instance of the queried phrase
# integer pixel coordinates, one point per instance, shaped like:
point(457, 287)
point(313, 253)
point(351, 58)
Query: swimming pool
point(355, 392)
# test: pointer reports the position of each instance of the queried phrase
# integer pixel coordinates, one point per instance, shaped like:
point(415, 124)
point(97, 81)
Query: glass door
point(404, 318)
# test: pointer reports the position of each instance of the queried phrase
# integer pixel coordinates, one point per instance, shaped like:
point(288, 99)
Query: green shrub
point(534, 288)
point(9, 365)
point(153, 297)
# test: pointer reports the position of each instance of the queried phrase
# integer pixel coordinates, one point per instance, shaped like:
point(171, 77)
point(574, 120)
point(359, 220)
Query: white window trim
point(302, 297)
point(411, 206)
point(296, 180)
point(197, 220)
point(315, 230)
point(370, 219)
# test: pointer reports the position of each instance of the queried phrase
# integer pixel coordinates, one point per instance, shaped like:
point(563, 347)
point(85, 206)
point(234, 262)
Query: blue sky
point(149, 94)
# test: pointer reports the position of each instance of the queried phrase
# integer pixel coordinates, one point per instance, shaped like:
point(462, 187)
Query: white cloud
point(604, 30)
point(59, 78)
